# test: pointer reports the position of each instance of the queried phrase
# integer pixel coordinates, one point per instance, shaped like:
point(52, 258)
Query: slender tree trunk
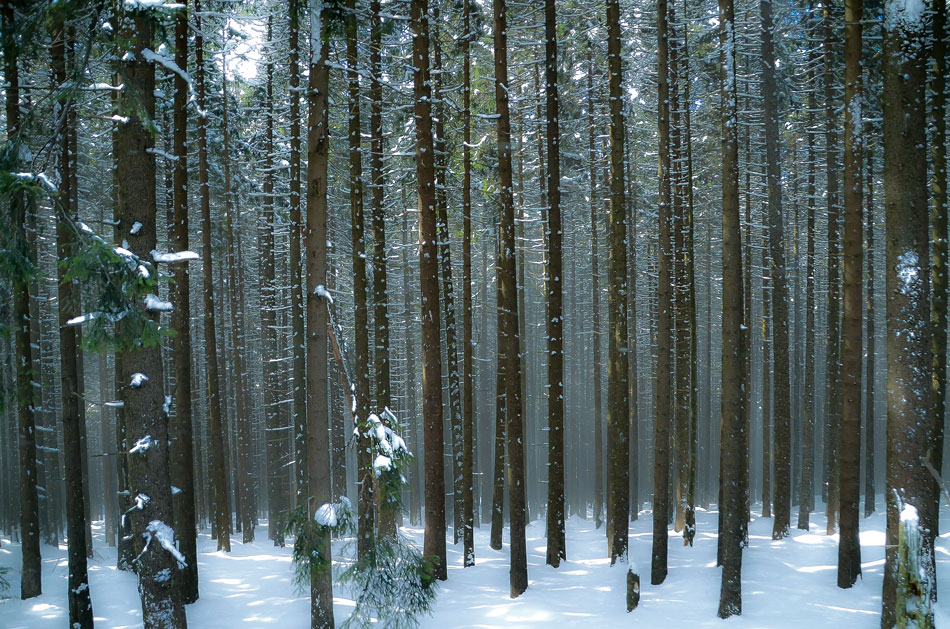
point(595, 300)
point(663, 409)
point(448, 285)
point(468, 375)
point(141, 367)
point(870, 377)
point(277, 499)
point(182, 448)
point(807, 490)
point(218, 473)
point(733, 360)
point(387, 514)
point(618, 402)
point(31, 566)
point(833, 341)
point(364, 456)
point(297, 315)
point(434, 542)
point(80, 602)
point(556, 550)
point(681, 341)
point(849, 546)
point(508, 285)
point(315, 244)
point(778, 274)
point(938, 226)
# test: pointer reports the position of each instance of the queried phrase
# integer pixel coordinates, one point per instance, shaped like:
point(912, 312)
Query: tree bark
point(434, 542)
point(182, 448)
point(508, 286)
point(222, 517)
point(468, 375)
point(807, 488)
point(833, 339)
point(556, 550)
point(364, 456)
point(849, 546)
point(31, 566)
point(911, 425)
point(778, 274)
point(141, 366)
point(663, 410)
point(315, 245)
point(618, 402)
point(733, 360)
point(297, 315)
point(79, 599)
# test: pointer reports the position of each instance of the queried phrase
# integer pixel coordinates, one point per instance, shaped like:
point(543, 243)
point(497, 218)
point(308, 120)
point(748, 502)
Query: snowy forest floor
point(787, 583)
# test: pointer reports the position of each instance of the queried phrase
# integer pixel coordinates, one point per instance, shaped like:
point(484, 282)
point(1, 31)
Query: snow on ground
point(790, 583)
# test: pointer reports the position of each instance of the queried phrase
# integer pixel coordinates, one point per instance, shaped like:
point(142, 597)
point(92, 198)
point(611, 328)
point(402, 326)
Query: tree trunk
point(315, 244)
point(595, 300)
point(218, 473)
point(910, 422)
point(387, 514)
point(938, 226)
point(870, 377)
point(733, 360)
point(663, 409)
point(618, 402)
point(364, 455)
point(833, 340)
point(556, 550)
point(182, 448)
point(468, 375)
point(141, 366)
point(80, 602)
point(807, 490)
point(849, 546)
point(778, 274)
point(297, 315)
point(277, 498)
point(434, 542)
point(31, 566)
point(508, 286)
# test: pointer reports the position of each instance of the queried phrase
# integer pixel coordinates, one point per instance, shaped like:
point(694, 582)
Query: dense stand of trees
point(643, 270)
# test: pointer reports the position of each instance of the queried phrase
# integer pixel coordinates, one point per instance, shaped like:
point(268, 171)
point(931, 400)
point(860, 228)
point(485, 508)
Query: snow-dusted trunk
point(468, 375)
point(663, 409)
point(315, 245)
point(158, 559)
point(618, 409)
point(733, 358)
point(938, 223)
point(298, 342)
point(779, 293)
point(806, 493)
point(446, 275)
point(182, 433)
point(849, 546)
point(911, 424)
point(366, 501)
point(598, 464)
point(556, 550)
point(80, 602)
point(277, 495)
point(219, 495)
point(30, 584)
point(381, 337)
point(434, 542)
point(508, 284)
point(833, 322)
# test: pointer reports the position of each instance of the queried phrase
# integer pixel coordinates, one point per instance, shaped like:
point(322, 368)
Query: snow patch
point(138, 379)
